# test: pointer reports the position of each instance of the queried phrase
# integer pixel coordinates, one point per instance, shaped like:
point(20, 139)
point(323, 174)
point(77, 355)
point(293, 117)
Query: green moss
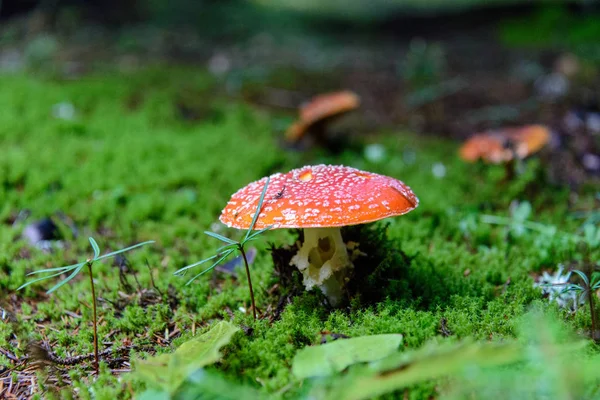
point(132, 168)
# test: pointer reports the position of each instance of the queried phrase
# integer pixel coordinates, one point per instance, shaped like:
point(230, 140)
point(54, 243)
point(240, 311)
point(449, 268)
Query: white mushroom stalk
point(320, 199)
point(324, 262)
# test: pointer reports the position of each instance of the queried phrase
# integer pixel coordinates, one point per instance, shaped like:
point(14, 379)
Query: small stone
point(552, 86)
point(43, 234)
point(375, 152)
point(438, 170)
point(592, 122)
point(64, 111)
point(219, 64)
point(591, 162)
point(43, 230)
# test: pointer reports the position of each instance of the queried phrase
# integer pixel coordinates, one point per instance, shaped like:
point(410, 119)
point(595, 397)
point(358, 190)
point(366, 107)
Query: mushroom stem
point(324, 262)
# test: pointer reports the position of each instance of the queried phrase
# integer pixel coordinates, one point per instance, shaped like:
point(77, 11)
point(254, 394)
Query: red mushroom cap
point(319, 196)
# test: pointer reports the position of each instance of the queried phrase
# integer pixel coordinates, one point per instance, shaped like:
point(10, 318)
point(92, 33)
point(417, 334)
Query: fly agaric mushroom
point(321, 109)
point(504, 145)
point(320, 199)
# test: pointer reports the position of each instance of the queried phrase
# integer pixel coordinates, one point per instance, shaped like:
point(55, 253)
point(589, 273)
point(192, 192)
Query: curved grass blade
point(114, 253)
point(572, 288)
point(180, 271)
point(95, 247)
point(59, 284)
point(75, 266)
point(255, 234)
point(227, 254)
point(595, 283)
point(258, 208)
point(583, 277)
point(63, 269)
point(220, 237)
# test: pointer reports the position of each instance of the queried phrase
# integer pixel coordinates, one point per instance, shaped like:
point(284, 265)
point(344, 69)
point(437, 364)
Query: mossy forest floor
point(128, 167)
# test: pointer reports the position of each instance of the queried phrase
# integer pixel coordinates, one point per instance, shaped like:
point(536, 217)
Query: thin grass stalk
point(241, 248)
point(591, 295)
point(95, 320)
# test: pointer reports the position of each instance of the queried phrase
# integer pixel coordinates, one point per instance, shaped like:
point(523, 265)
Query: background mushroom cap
point(319, 196)
point(530, 139)
point(328, 104)
point(501, 145)
point(322, 107)
point(485, 146)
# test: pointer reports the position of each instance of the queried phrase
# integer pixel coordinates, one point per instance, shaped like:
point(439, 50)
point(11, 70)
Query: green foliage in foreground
point(168, 371)
point(330, 358)
point(544, 361)
point(130, 168)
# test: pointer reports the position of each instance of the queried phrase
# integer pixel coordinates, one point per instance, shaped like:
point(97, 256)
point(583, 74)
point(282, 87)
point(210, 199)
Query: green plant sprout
point(74, 270)
point(225, 251)
point(588, 288)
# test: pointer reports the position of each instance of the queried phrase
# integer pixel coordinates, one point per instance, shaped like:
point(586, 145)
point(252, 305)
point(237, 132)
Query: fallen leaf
point(169, 371)
point(329, 358)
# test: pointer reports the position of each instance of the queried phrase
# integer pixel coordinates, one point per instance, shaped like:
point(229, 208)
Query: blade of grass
point(63, 269)
point(48, 277)
point(255, 234)
point(219, 254)
point(95, 247)
point(572, 288)
point(220, 237)
point(583, 277)
point(227, 254)
point(258, 208)
point(114, 253)
point(59, 284)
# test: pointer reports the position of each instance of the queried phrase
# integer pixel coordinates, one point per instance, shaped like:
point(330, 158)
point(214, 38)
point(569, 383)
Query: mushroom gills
point(324, 262)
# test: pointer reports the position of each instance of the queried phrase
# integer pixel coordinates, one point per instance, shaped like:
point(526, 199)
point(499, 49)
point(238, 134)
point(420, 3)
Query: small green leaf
point(595, 282)
point(225, 255)
point(67, 279)
point(583, 277)
point(257, 233)
point(169, 371)
point(95, 247)
point(220, 237)
point(203, 384)
point(571, 287)
point(400, 370)
point(114, 253)
point(329, 358)
point(180, 272)
point(153, 395)
point(62, 271)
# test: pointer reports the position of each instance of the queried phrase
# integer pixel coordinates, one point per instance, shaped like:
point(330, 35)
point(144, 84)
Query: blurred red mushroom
point(321, 110)
point(504, 145)
point(320, 199)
